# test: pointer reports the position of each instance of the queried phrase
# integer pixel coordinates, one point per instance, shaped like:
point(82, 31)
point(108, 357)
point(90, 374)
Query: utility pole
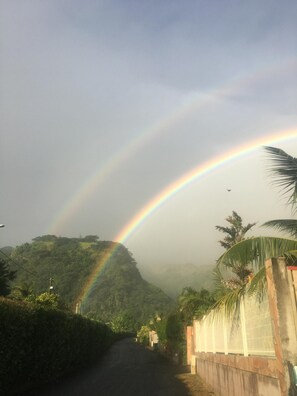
point(51, 287)
point(78, 307)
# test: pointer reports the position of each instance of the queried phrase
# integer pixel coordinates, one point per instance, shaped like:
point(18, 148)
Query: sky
point(103, 104)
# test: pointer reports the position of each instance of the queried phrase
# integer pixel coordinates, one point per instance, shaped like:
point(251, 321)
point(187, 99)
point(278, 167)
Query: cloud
point(81, 82)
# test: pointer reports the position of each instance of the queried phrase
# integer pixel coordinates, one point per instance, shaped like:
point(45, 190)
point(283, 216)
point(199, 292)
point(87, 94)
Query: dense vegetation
point(120, 295)
point(6, 276)
point(121, 290)
point(246, 257)
point(39, 344)
point(171, 328)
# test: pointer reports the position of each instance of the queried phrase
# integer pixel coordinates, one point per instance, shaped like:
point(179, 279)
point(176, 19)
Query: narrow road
point(129, 369)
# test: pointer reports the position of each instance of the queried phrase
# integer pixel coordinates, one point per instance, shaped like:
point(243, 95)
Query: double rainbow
point(171, 190)
point(160, 128)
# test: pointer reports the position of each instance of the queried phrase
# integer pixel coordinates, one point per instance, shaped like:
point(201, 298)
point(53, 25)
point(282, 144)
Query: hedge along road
point(129, 369)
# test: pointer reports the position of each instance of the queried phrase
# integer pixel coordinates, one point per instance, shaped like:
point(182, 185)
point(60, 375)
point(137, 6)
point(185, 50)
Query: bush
point(143, 335)
point(39, 344)
point(171, 335)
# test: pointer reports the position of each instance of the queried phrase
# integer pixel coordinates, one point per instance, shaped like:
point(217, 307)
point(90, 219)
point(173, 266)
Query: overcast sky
point(105, 103)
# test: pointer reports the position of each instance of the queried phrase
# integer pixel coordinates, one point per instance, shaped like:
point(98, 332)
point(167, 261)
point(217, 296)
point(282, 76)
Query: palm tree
point(236, 232)
point(254, 251)
point(240, 271)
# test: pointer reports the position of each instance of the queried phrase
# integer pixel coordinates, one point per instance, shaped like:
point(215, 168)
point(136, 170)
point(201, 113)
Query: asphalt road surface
point(129, 369)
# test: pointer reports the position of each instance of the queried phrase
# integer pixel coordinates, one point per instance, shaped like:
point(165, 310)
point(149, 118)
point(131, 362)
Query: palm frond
point(256, 250)
point(286, 225)
point(217, 279)
point(258, 286)
point(246, 228)
point(229, 303)
point(284, 172)
point(224, 282)
point(291, 257)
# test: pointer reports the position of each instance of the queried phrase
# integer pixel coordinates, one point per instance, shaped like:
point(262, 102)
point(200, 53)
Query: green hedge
point(38, 344)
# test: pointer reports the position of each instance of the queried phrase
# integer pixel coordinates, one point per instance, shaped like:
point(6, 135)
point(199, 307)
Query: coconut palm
point(254, 251)
point(235, 232)
point(237, 274)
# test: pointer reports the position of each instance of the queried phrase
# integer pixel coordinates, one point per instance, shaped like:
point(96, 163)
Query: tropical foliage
point(171, 334)
point(171, 328)
point(235, 232)
point(194, 304)
point(254, 251)
point(231, 279)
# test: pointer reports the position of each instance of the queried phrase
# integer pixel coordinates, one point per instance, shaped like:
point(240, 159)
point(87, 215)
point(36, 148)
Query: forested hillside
point(120, 295)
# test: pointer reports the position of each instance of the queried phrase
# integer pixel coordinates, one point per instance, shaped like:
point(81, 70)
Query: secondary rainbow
point(156, 130)
point(172, 189)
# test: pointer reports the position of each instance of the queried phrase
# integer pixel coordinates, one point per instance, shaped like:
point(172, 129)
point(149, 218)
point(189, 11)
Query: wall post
point(190, 344)
point(282, 312)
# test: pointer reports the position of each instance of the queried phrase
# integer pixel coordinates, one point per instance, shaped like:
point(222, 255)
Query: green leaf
point(255, 251)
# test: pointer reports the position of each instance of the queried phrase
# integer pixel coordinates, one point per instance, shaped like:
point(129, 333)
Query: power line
point(53, 283)
point(17, 264)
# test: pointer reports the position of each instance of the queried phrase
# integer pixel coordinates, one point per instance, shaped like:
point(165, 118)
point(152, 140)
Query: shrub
point(143, 335)
point(171, 333)
point(39, 344)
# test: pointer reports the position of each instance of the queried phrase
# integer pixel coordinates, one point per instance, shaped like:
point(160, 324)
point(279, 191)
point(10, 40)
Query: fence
point(249, 334)
point(256, 354)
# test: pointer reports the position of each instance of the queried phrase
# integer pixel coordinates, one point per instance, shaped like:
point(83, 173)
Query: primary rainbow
point(172, 189)
point(159, 128)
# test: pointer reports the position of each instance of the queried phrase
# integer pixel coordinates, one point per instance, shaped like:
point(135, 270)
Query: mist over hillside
point(173, 278)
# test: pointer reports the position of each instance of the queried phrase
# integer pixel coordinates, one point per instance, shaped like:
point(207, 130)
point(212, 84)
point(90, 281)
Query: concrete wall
point(236, 375)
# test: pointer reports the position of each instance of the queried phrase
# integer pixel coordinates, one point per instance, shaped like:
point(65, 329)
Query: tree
point(194, 304)
point(90, 238)
point(256, 250)
point(23, 291)
point(236, 232)
point(231, 279)
point(123, 322)
point(47, 299)
point(5, 277)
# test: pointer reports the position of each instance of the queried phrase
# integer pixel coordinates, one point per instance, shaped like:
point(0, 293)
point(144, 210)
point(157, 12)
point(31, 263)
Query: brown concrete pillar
point(283, 311)
point(189, 344)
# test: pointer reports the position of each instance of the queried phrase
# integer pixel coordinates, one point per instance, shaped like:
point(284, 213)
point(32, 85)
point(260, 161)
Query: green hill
point(119, 293)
